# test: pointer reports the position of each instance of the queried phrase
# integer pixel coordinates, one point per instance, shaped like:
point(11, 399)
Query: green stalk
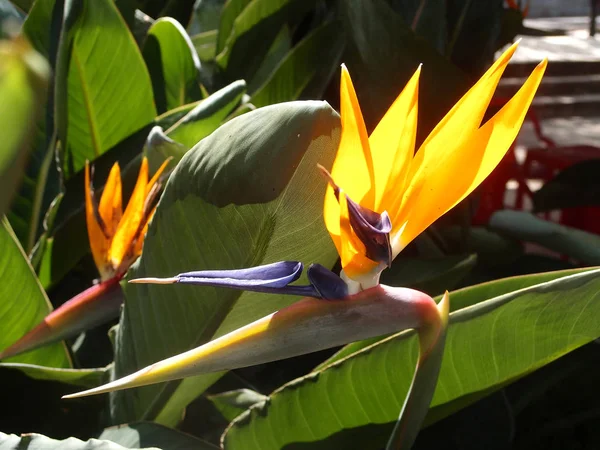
point(432, 338)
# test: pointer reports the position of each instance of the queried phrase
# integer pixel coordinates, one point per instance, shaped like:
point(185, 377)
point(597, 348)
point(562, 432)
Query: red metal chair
point(541, 162)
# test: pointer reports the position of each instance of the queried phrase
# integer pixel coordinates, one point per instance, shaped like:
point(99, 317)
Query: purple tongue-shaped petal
point(329, 285)
point(271, 278)
point(274, 275)
point(373, 230)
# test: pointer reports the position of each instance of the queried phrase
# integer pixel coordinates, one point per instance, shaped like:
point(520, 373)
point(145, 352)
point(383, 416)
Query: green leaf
point(23, 82)
point(577, 185)
point(23, 303)
point(253, 32)
point(231, 10)
point(205, 45)
point(77, 377)
point(39, 442)
point(207, 115)
point(41, 181)
point(173, 65)
point(470, 296)
point(25, 5)
point(306, 70)
point(383, 53)
point(232, 403)
point(223, 207)
point(568, 241)
point(280, 47)
point(144, 434)
point(354, 401)
point(104, 92)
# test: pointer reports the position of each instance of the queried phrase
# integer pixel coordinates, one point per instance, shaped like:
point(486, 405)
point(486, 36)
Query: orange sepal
point(99, 242)
point(131, 220)
point(111, 202)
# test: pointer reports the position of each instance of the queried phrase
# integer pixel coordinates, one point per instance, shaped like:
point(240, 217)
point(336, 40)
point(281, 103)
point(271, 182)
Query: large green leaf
point(104, 92)
point(23, 303)
point(524, 226)
point(253, 32)
point(173, 64)
point(146, 434)
point(470, 296)
point(307, 68)
point(23, 82)
point(246, 195)
point(353, 403)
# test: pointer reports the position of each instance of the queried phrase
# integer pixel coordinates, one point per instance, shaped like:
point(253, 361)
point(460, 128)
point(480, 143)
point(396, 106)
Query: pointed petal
point(98, 241)
point(139, 240)
point(131, 221)
point(92, 307)
point(393, 146)
point(352, 169)
point(306, 326)
point(111, 203)
point(441, 158)
point(472, 163)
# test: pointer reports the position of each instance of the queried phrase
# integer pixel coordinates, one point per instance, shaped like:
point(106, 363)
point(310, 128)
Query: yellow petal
point(392, 148)
point(132, 219)
point(352, 169)
point(441, 157)
point(461, 171)
point(98, 241)
point(139, 241)
point(111, 207)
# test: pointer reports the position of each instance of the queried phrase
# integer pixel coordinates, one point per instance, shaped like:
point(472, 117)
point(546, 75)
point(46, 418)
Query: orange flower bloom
point(116, 238)
point(382, 172)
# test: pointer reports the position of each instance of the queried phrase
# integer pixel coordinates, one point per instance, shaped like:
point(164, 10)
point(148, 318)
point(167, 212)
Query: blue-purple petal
point(328, 285)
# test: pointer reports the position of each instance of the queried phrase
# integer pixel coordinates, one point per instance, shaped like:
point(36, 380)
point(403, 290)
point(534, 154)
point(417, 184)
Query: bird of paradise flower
point(116, 240)
point(381, 195)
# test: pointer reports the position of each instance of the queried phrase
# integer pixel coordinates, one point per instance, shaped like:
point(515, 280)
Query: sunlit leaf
point(23, 303)
point(173, 64)
point(353, 402)
point(104, 93)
